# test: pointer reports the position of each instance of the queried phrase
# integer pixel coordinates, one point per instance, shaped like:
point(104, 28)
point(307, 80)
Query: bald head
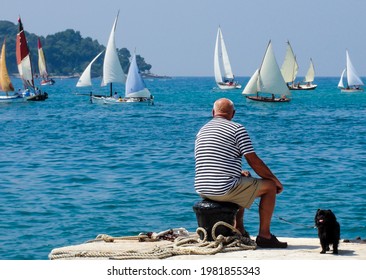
point(223, 107)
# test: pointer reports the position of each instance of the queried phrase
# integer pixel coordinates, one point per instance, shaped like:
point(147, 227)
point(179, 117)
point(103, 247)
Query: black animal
point(329, 230)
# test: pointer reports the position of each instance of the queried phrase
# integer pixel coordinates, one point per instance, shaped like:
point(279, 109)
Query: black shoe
point(273, 242)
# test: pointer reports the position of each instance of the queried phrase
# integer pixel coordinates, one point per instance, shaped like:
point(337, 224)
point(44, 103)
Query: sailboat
point(5, 82)
point(221, 60)
point(268, 80)
point(46, 80)
point(25, 69)
point(112, 69)
point(290, 69)
point(309, 78)
point(135, 89)
point(354, 82)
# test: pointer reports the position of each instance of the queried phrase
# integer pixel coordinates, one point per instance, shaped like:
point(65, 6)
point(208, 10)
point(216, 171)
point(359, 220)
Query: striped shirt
point(219, 148)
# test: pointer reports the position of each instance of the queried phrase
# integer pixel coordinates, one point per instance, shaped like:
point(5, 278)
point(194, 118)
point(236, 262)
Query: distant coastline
point(154, 76)
point(62, 77)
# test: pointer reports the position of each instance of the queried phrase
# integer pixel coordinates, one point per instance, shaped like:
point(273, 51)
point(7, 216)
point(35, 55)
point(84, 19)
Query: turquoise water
point(71, 170)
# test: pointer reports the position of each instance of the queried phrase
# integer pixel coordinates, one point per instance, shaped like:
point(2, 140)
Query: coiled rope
point(183, 244)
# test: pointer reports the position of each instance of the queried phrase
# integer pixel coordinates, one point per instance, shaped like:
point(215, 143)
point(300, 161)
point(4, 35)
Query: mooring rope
point(183, 244)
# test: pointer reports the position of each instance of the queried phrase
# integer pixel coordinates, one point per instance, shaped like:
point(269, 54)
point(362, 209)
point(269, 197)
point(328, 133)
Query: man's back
point(219, 148)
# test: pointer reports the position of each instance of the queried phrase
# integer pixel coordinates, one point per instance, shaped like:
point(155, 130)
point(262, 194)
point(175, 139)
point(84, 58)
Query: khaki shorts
point(243, 194)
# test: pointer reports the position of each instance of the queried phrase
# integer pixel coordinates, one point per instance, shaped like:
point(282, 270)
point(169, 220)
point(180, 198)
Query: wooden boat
point(269, 99)
point(267, 82)
point(112, 69)
point(289, 72)
point(309, 78)
point(135, 90)
point(31, 93)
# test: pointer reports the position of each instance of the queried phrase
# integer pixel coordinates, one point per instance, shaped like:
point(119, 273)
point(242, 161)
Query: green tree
point(66, 52)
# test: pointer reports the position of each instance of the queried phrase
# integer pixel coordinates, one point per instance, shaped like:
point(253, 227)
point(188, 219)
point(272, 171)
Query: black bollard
point(209, 212)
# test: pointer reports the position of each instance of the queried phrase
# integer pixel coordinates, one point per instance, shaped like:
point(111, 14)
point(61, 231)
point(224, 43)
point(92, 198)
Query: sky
point(177, 37)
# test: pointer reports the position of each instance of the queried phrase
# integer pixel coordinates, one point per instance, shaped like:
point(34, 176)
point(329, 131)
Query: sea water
point(71, 170)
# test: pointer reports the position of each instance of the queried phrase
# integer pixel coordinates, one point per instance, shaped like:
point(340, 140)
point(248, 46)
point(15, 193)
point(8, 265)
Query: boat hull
point(228, 85)
point(351, 90)
point(47, 82)
point(111, 100)
point(12, 99)
point(268, 99)
point(302, 87)
point(37, 97)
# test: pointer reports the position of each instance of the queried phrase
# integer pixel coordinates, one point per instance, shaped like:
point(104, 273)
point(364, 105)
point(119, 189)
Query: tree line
point(67, 53)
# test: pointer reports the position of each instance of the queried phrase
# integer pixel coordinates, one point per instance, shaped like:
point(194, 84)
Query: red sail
point(23, 57)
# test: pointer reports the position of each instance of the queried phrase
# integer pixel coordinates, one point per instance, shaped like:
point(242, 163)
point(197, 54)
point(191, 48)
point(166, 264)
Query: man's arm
point(262, 169)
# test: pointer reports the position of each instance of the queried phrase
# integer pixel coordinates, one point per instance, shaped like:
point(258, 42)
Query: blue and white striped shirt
point(219, 148)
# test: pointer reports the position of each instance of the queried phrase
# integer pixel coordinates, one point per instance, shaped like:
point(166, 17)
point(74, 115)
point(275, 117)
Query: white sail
point(289, 67)
point(135, 85)
point(218, 76)
point(112, 69)
point(340, 84)
point(271, 79)
point(228, 73)
point(353, 78)
point(221, 54)
point(252, 85)
point(42, 61)
point(85, 78)
point(310, 75)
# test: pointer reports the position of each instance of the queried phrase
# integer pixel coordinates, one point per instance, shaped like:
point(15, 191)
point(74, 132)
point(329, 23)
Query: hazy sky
point(178, 37)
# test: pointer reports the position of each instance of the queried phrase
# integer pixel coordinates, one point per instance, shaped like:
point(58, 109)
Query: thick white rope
point(183, 245)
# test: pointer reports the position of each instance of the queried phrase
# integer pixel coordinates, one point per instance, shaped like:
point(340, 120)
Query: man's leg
point(267, 203)
point(267, 195)
point(239, 222)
